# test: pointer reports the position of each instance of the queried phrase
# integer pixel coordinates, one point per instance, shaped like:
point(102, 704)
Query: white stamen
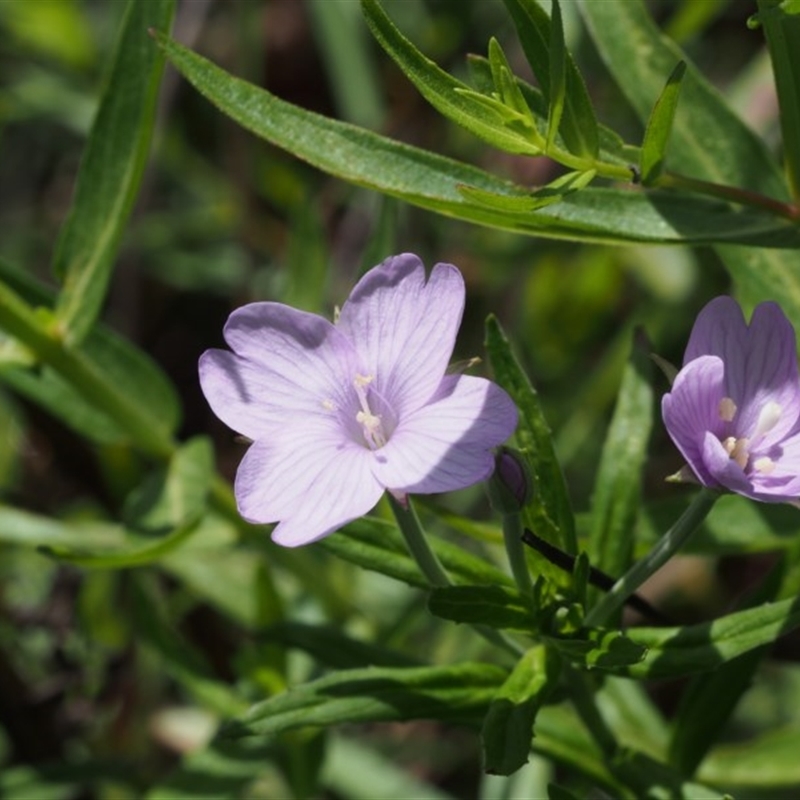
point(768, 418)
point(371, 423)
point(337, 312)
point(740, 453)
point(727, 409)
point(764, 465)
point(729, 444)
point(328, 404)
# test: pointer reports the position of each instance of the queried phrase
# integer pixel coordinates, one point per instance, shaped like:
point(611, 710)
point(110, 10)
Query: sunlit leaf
point(659, 127)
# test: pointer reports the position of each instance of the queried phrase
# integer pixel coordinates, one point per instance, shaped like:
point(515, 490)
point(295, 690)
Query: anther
point(740, 453)
point(767, 418)
point(727, 409)
point(764, 465)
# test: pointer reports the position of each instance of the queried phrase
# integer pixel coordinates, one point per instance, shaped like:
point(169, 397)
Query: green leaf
point(612, 147)
point(434, 182)
point(558, 71)
point(578, 126)
point(708, 140)
point(781, 25)
point(165, 512)
point(176, 494)
point(377, 545)
point(132, 371)
point(618, 486)
point(553, 192)
point(710, 698)
point(496, 606)
point(508, 728)
point(111, 169)
point(504, 127)
point(459, 693)
point(504, 82)
point(674, 652)
point(597, 648)
point(550, 512)
point(767, 761)
point(659, 127)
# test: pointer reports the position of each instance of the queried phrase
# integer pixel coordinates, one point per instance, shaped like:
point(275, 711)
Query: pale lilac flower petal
point(405, 327)
point(446, 445)
point(340, 413)
point(284, 361)
point(311, 487)
point(734, 409)
point(770, 365)
point(719, 330)
point(692, 408)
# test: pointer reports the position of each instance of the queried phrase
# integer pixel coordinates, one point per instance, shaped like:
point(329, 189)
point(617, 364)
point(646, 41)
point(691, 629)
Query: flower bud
point(510, 486)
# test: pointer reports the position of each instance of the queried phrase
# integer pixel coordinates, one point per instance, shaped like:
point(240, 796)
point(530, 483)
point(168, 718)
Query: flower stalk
point(417, 543)
point(665, 548)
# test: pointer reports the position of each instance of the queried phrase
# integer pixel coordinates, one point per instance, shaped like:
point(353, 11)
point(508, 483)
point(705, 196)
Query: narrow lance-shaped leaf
point(578, 126)
point(458, 693)
point(111, 169)
point(495, 123)
point(496, 606)
point(659, 127)
point(164, 512)
point(617, 491)
point(504, 81)
point(433, 182)
point(675, 652)
point(711, 144)
point(781, 24)
point(558, 72)
point(551, 512)
point(508, 727)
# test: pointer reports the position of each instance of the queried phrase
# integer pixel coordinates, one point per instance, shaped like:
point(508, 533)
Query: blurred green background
point(225, 219)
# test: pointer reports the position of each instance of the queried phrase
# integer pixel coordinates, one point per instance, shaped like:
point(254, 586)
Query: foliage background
point(99, 688)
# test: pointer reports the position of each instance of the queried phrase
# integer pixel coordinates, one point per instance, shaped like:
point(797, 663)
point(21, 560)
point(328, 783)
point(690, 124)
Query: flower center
point(738, 447)
point(371, 424)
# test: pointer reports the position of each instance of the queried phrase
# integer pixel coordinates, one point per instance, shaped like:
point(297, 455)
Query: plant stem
point(421, 552)
point(663, 550)
point(671, 180)
point(432, 569)
point(43, 337)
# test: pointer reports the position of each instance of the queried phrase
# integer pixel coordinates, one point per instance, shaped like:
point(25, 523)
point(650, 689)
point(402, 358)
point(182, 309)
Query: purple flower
point(734, 409)
point(340, 412)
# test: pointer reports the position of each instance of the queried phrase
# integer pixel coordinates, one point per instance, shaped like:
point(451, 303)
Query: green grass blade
point(111, 169)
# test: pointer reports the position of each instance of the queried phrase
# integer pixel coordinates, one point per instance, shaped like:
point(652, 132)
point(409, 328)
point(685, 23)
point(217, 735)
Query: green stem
point(44, 339)
point(671, 180)
point(432, 569)
point(512, 536)
point(663, 550)
point(417, 543)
